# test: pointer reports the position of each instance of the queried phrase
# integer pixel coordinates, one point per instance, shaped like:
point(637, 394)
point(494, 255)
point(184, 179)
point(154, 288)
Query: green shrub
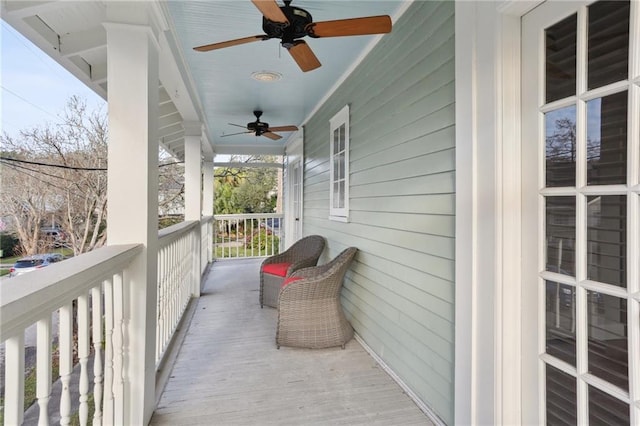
point(263, 243)
point(8, 244)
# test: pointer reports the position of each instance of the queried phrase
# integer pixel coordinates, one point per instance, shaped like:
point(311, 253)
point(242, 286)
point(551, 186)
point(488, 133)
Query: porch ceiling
point(215, 87)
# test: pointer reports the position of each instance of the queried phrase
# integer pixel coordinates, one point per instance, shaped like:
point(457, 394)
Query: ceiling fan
point(263, 129)
point(289, 24)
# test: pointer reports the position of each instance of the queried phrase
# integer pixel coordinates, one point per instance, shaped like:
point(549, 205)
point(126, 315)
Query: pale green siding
point(399, 294)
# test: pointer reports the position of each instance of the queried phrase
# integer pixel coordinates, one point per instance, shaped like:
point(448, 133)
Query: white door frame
point(488, 344)
point(295, 156)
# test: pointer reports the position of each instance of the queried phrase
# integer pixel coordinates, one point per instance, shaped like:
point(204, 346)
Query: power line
point(61, 166)
point(29, 102)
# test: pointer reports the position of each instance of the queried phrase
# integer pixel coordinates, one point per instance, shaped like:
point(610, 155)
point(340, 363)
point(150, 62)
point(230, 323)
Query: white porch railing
point(86, 296)
point(248, 235)
point(85, 292)
point(206, 235)
point(181, 252)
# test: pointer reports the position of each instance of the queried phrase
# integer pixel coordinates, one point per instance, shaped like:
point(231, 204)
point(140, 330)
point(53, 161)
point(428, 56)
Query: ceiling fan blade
point(304, 56)
point(234, 134)
point(270, 10)
point(350, 27)
point(283, 129)
point(272, 136)
point(237, 125)
point(229, 43)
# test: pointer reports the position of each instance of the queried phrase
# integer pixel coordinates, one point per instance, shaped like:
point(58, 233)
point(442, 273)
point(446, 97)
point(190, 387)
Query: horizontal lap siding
point(399, 294)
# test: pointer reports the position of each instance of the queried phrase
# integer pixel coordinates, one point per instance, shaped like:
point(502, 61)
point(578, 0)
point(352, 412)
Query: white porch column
point(193, 193)
point(207, 204)
point(207, 188)
point(132, 52)
point(192, 171)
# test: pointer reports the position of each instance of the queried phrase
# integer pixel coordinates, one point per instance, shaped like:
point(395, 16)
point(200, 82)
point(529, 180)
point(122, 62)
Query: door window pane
point(560, 59)
point(561, 235)
point(605, 410)
point(607, 140)
point(561, 321)
point(608, 42)
point(560, 149)
point(561, 397)
point(608, 354)
point(607, 239)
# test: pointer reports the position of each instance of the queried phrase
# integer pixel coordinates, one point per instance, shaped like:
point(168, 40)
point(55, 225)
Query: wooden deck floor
point(228, 370)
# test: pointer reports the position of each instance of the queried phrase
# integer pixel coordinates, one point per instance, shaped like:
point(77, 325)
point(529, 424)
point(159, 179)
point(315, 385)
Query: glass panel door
point(581, 124)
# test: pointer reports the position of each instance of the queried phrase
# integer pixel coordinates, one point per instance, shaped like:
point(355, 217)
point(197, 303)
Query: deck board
point(228, 370)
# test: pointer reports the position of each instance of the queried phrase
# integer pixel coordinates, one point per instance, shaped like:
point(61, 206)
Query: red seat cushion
point(290, 280)
point(279, 269)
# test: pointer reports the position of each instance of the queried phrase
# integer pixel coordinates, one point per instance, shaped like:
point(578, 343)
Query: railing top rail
point(178, 228)
point(26, 298)
point(248, 216)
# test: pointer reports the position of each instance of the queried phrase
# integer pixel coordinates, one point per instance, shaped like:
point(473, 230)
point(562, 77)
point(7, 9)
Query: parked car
point(55, 236)
point(31, 263)
point(271, 224)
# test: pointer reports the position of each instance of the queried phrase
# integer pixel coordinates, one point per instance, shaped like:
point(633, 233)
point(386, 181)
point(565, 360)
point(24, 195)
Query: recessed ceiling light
point(266, 76)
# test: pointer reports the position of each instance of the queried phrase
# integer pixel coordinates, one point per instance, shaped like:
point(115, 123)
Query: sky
point(34, 88)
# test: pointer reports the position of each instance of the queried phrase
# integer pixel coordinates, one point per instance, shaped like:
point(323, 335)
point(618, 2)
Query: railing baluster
point(14, 380)
point(43, 369)
point(65, 336)
point(118, 349)
point(83, 357)
point(63, 297)
point(96, 312)
point(108, 405)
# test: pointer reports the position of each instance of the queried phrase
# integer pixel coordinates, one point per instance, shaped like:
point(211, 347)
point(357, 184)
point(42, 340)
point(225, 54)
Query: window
point(339, 170)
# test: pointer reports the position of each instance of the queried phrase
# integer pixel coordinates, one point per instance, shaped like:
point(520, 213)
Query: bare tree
point(58, 171)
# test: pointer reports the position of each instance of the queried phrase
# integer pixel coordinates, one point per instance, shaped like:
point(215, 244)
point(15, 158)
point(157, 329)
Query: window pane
point(561, 321)
point(336, 141)
point(560, 149)
point(606, 410)
point(607, 322)
point(608, 42)
point(342, 137)
point(336, 167)
point(561, 235)
point(341, 166)
point(607, 239)
point(560, 55)
point(341, 199)
point(561, 397)
point(336, 195)
point(607, 140)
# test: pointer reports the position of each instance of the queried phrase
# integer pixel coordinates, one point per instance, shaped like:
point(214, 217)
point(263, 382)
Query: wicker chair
point(302, 254)
point(310, 314)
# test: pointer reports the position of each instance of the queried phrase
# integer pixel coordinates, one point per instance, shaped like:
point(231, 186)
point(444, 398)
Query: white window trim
point(341, 117)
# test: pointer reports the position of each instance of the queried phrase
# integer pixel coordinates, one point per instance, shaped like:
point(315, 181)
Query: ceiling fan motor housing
point(298, 21)
point(258, 126)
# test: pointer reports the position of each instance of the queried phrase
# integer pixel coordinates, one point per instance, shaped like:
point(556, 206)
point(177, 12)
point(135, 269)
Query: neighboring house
point(432, 156)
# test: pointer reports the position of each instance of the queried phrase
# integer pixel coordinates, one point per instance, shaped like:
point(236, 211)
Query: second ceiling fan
point(260, 128)
point(289, 24)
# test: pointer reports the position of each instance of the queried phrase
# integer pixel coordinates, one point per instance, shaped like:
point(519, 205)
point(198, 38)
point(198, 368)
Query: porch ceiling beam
point(176, 138)
point(82, 65)
point(240, 165)
point(83, 41)
point(99, 73)
point(45, 31)
point(167, 109)
point(170, 129)
point(265, 149)
point(169, 121)
point(23, 9)
point(164, 96)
